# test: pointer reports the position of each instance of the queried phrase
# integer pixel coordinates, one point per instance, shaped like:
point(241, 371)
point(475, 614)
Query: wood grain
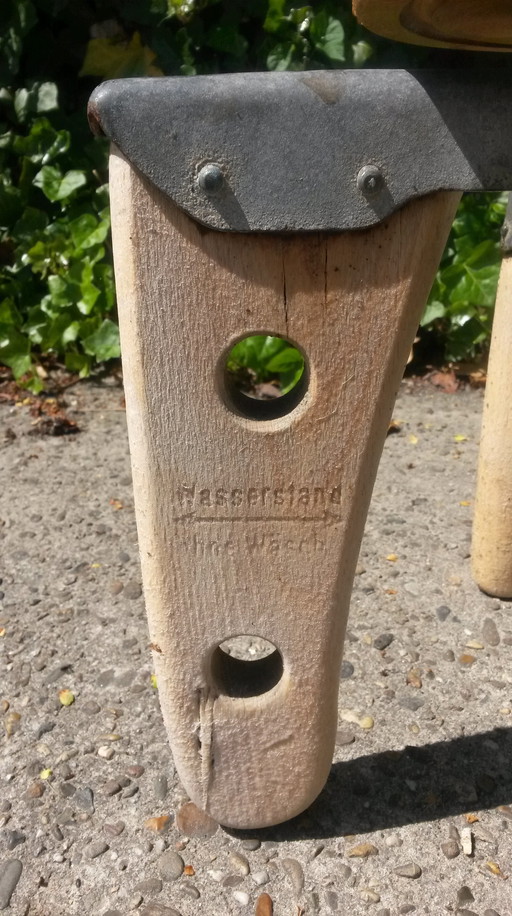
point(492, 528)
point(484, 25)
point(246, 526)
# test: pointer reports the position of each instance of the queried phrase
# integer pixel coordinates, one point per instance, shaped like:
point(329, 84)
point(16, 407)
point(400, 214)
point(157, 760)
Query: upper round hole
point(265, 376)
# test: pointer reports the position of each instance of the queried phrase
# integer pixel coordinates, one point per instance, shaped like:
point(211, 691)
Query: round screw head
point(370, 180)
point(211, 178)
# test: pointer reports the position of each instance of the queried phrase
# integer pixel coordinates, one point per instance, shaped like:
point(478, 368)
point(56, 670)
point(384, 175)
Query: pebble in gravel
point(97, 848)
point(260, 877)
point(294, 872)
point(148, 887)
point(369, 895)
point(464, 896)
point(241, 897)
point(331, 899)
point(190, 890)
point(106, 752)
point(393, 840)
point(362, 851)
point(443, 612)
point(347, 670)
point(450, 849)
point(170, 865)
point(466, 839)
point(114, 829)
point(411, 702)
point(344, 736)
point(158, 824)
point(134, 771)
point(232, 881)
point(34, 790)
point(10, 874)
point(112, 787)
point(410, 870)
point(193, 822)
point(132, 590)
point(251, 845)
point(160, 786)
point(383, 641)
point(490, 634)
point(240, 863)
point(14, 838)
point(265, 906)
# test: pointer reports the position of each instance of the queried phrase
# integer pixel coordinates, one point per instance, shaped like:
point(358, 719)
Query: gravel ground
point(415, 816)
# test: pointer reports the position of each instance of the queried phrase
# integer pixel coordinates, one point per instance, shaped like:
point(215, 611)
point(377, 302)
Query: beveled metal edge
point(310, 151)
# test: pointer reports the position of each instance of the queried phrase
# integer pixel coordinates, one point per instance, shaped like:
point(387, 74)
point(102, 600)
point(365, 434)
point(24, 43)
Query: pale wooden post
point(484, 25)
point(248, 526)
point(492, 528)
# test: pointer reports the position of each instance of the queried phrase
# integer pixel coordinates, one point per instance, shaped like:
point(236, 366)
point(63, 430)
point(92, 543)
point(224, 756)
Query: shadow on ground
point(395, 788)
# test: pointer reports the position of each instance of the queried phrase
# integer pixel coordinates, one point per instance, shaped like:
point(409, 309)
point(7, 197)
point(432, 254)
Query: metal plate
point(297, 151)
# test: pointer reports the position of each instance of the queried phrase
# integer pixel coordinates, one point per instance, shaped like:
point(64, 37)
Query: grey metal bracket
point(310, 151)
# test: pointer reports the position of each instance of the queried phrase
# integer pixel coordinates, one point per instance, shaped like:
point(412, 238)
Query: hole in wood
point(246, 666)
point(265, 376)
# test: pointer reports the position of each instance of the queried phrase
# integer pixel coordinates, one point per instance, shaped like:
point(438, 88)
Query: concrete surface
point(415, 817)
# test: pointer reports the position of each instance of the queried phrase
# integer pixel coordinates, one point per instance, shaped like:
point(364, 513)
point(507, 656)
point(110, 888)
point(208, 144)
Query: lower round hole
point(246, 666)
point(264, 377)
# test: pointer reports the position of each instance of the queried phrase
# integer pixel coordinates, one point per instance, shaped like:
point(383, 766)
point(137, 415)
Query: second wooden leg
point(492, 529)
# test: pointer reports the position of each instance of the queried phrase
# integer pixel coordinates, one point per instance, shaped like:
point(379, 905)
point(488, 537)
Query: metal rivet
point(211, 178)
point(370, 180)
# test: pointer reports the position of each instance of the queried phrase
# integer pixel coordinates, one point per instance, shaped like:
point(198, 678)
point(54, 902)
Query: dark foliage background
point(56, 280)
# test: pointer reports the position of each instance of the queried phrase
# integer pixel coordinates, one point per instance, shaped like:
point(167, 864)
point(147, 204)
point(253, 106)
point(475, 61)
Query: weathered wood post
point(492, 528)
point(484, 25)
point(313, 206)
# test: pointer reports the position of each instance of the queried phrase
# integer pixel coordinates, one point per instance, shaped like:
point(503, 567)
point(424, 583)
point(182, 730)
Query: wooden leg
point(492, 528)
point(251, 526)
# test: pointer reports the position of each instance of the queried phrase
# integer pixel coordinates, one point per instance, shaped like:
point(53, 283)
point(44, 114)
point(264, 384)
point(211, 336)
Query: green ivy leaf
point(104, 342)
point(39, 99)
point(30, 225)
point(87, 231)
point(281, 56)
point(56, 186)
point(17, 18)
point(14, 350)
point(227, 38)
point(78, 362)
point(433, 311)
point(361, 52)
point(288, 359)
point(43, 143)
point(275, 15)
point(11, 204)
point(328, 36)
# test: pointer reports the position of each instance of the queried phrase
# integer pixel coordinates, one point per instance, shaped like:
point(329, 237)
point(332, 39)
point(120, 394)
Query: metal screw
point(211, 178)
point(370, 180)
